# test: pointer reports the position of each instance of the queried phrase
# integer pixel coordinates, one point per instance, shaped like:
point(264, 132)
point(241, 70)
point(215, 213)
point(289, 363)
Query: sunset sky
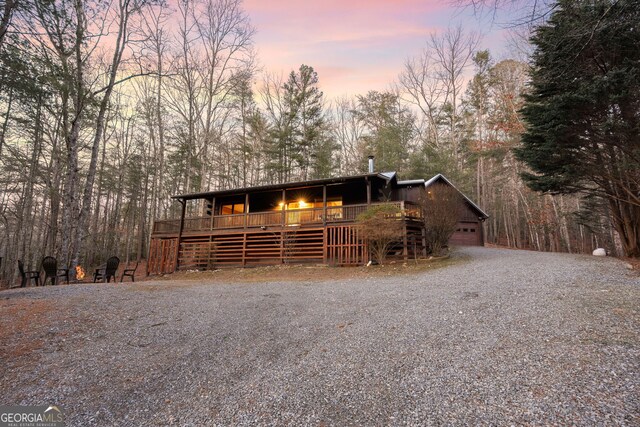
point(356, 45)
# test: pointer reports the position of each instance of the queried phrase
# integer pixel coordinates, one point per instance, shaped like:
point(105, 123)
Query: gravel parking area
point(501, 337)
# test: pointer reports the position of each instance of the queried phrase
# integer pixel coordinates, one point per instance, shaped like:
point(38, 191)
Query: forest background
point(109, 107)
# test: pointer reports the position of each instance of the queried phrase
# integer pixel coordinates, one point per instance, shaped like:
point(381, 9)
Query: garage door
point(467, 234)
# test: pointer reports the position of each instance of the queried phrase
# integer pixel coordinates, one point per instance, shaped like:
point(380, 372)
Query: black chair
point(50, 267)
point(129, 272)
point(108, 271)
point(28, 276)
point(64, 272)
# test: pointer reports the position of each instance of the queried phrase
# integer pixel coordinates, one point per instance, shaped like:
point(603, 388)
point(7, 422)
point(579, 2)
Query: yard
point(494, 337)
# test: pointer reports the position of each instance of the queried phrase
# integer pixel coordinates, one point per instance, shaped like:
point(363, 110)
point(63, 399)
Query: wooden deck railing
point(334, 214)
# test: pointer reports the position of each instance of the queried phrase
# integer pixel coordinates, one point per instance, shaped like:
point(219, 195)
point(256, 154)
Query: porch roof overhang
point(386, 176)
point(410, 182)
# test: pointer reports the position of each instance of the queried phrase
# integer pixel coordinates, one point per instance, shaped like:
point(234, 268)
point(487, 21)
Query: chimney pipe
point(371, 164)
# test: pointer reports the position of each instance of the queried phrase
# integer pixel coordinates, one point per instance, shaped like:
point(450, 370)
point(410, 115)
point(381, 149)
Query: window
point(232, 209)
point(300, 204)
point(316, 203)
point(332, 202)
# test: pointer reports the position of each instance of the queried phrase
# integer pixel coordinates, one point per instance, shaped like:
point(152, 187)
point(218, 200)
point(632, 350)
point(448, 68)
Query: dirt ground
point(487, 337)
point(311, 272)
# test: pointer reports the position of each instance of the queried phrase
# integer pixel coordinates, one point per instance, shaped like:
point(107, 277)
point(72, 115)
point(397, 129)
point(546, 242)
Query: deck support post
point(424, 240)
point(405, 243)
point(244, 248)
point(284, 222)
point(183, 202)
point(282, 246)
point(368, 191)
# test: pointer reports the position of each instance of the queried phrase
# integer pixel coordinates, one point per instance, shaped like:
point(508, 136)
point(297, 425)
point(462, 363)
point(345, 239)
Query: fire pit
point(81, 275)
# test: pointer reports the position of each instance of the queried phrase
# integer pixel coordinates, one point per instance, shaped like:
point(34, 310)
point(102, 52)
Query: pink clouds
point(353, 45)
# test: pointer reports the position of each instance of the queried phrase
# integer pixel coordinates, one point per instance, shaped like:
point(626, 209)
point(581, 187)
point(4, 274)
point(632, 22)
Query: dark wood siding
point(409, 193)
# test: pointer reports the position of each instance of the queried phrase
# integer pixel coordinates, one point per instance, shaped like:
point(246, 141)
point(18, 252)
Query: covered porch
point(313, 203)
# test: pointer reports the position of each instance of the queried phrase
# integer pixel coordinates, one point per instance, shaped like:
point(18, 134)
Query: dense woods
point(107, 108)
point(583, 133)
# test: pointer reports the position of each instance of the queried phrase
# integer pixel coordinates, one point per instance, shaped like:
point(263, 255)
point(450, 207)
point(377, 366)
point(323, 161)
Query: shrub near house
point(382, 229)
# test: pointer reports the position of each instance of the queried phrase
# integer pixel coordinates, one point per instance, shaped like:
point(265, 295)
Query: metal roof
point(387, 176)
point(411, 182)
point(444, 178)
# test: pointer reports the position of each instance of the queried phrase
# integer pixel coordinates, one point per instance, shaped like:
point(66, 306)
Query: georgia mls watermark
point(31, 416)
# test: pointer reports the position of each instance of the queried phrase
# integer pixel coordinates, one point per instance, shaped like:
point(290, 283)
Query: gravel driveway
point(499, 338)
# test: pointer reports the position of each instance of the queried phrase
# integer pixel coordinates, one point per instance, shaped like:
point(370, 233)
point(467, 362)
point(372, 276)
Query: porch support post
point(246, 209)
point(368, 191)
point(405, 250)
point(183, 202)
point(213, 212)
point(324, 204)
point(284, 205)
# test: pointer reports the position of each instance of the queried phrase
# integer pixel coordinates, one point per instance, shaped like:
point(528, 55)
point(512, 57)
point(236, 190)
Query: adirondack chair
point(129, 272)
point(107, 272)
point(50, 267)
point(28, 276)
point(64, 273)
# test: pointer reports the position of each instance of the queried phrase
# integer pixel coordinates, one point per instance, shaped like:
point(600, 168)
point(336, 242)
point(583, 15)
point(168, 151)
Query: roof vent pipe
point(371, 164)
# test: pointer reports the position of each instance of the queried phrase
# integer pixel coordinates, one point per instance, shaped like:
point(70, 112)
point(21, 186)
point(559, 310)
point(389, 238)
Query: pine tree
point(298, 145)
point(390, 129)
point(583, 112)
point(307, 118)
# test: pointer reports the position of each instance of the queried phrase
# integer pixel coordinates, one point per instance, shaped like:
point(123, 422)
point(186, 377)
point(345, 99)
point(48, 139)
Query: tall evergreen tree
point(306, 109)
point(298, 140)
point(390, 129)
point(583, 112)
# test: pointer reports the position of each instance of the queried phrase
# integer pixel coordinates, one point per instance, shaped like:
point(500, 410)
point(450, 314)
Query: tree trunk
point(626, 221)
point(85, 211)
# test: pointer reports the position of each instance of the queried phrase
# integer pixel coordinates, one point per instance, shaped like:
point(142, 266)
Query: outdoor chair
point(129, 272)
point(107, 272)
point(28, 276)
point(50, 267)
point(64, 272)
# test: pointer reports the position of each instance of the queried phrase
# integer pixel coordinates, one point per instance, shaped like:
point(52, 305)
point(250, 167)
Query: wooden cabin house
point(469, 230)
point(311, 221)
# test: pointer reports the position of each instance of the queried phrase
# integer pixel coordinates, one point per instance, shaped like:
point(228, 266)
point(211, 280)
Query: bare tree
point(453, 52)
point(348, 130)
point(441, 207)
point(227, 37)
point(423, 88)
point(125, 11)
point(5, 19)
